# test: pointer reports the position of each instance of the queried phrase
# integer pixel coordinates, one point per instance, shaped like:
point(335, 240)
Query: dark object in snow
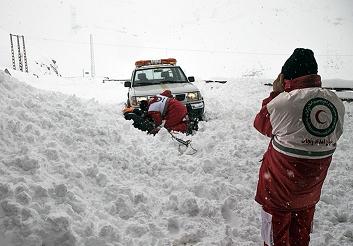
point(140, 122)
point(301, 62)
point(193, 120)
point(107, 79)
point(140, 118)
point(216, 81)
point(7, 71)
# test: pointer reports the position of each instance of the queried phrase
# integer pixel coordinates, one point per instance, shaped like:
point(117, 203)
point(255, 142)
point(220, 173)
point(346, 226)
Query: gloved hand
point(128, 110)
point(278, 84)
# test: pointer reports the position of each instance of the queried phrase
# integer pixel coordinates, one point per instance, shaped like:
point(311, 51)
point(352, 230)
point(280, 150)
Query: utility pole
point(19, 55)
point(24, 54)
point(93, 72)
point(12, 53)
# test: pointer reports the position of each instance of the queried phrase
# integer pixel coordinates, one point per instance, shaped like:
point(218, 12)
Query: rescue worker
point(168, 112)
point(304, 122)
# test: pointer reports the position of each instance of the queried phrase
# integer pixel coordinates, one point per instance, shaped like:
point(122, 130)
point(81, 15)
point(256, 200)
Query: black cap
point(301, 62)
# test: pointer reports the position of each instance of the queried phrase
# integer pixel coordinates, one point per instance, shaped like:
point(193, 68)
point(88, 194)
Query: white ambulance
point(152, 77)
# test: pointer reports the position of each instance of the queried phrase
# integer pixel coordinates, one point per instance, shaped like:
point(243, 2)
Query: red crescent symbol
point(317, 116)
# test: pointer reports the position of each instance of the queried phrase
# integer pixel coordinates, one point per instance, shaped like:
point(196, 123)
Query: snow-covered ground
point(74, 172)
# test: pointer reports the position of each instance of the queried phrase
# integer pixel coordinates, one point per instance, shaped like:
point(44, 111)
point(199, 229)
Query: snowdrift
point(74, 172)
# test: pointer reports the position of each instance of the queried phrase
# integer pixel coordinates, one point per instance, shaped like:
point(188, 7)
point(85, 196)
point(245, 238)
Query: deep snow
point(74, 172)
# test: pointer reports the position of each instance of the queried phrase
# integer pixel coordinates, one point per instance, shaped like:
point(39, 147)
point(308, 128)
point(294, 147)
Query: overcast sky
point(209, 38)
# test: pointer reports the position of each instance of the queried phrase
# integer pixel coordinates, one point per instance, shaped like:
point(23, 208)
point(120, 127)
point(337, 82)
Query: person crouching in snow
point(304, 122)
point(168, 112)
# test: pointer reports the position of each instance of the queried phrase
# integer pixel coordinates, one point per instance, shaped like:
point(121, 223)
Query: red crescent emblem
point(317, 116)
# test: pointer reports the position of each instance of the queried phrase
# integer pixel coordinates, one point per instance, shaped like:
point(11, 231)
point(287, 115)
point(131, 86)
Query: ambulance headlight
point(193, 96)
point(135, 101)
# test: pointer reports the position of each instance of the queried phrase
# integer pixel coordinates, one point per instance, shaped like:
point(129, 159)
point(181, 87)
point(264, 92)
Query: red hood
point(306, 81)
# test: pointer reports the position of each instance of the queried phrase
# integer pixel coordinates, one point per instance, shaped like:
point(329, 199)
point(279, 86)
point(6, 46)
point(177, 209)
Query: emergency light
point(170, 61)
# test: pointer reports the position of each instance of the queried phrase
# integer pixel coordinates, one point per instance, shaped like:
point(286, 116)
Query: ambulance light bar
point(170, 61)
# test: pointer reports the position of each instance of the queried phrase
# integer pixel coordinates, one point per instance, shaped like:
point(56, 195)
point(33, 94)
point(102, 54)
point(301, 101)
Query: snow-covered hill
point(74, 172)
point(211, 38)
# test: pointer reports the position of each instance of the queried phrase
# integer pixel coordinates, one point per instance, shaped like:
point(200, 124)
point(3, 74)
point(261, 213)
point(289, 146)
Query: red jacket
point(304, 123)
point(170, 110)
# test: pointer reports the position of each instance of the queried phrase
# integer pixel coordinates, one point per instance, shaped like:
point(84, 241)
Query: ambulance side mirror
point(191, 79)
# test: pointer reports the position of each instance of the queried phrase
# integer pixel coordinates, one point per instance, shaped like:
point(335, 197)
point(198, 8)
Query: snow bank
point(88, 88)
point(74, 172)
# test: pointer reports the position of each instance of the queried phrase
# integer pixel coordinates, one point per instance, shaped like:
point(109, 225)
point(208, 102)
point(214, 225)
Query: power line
point(183, 49)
